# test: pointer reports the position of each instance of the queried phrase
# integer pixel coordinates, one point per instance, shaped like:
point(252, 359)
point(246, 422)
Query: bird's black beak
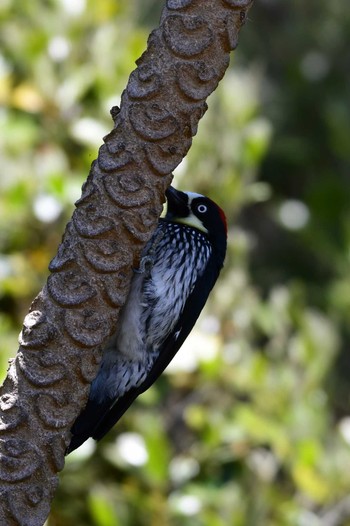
point(177, 203)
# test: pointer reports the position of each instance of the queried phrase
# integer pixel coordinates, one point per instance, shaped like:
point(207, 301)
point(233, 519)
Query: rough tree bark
point(77, 310)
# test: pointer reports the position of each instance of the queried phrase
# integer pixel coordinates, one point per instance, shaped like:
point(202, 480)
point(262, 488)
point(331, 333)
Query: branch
point(76, 312)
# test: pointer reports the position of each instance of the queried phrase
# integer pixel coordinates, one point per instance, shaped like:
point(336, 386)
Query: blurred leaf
point(101, 509)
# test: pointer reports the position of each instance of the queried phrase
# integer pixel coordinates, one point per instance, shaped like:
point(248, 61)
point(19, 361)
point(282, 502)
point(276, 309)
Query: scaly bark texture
point(77, 310)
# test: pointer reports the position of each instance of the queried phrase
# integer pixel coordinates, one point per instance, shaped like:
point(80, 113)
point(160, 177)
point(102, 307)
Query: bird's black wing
point(192, 309)
point(88, 420)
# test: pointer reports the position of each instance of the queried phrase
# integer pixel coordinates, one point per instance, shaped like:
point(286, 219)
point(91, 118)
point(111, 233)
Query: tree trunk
point(76, 312)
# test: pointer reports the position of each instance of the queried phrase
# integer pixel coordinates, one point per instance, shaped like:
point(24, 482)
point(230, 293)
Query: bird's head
point(199, 212)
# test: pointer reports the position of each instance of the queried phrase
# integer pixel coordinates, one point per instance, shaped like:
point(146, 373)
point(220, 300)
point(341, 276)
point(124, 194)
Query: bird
point(178, 268)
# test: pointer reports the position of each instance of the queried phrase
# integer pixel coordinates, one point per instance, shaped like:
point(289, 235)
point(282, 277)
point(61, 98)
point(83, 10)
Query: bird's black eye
point(202, 209)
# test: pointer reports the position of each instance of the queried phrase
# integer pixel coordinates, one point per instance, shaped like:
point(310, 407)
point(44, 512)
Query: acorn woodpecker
point(179, 267)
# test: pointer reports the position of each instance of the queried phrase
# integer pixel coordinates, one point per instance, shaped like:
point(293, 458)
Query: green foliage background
point(251, 425)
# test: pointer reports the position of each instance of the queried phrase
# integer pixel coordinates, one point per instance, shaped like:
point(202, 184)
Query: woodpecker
point(179, 266)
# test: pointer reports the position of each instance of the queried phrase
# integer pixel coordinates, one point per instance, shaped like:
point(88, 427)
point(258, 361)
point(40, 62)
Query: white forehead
point(192, 195)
